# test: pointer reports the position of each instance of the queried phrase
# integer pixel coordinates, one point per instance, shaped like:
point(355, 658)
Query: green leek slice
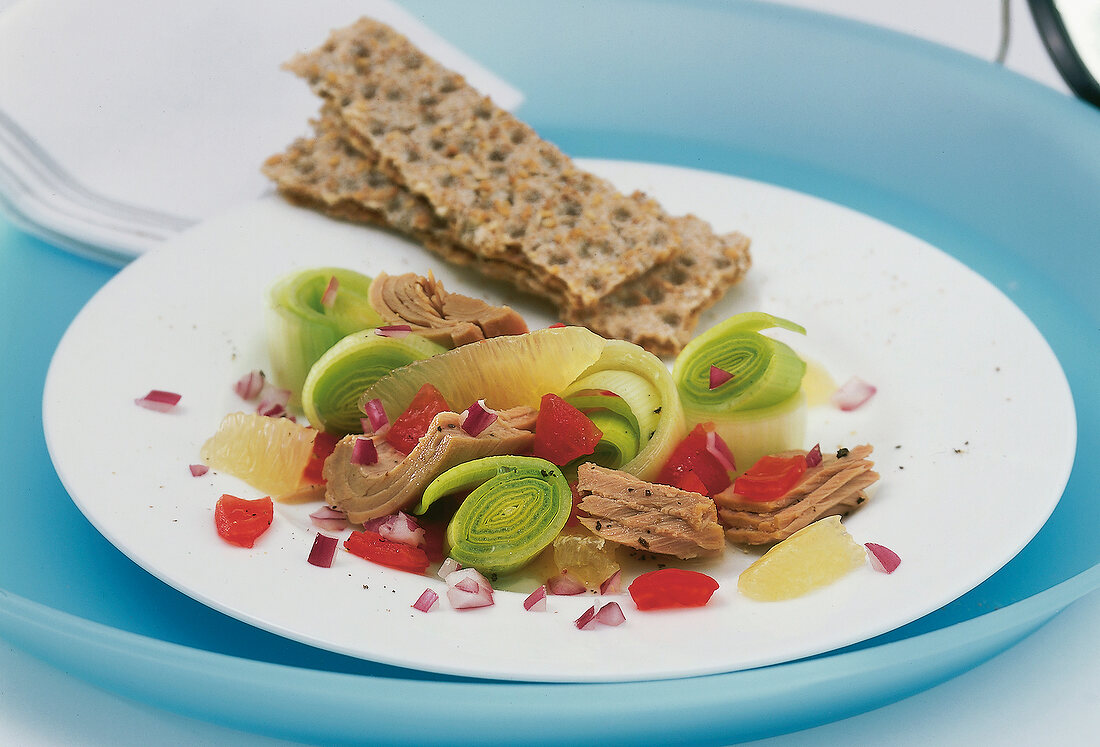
point(619, 443)
point(300, 328)
point(510, 517)
point(644, 383)
point(330, 395)
point(761, 410)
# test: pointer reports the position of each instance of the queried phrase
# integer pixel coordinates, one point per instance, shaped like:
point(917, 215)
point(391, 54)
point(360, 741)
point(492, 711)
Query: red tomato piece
point(562, 432)
point(323, 445)
point(377, 549)
point(414, 422)
point(690, 457)
point(240, 522)
point(770, 478)
point(670, 588)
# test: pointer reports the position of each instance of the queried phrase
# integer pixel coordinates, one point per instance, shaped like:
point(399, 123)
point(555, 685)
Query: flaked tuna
point(653, 518)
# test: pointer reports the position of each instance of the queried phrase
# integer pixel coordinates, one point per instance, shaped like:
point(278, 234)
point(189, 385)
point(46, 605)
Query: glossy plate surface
point(960, 373)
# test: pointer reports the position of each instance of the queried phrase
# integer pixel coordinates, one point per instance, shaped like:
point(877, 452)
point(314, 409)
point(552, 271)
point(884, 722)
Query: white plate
point(973, 425)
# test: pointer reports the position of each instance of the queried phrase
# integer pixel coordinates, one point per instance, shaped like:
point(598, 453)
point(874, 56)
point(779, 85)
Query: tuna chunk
point(835, 486)
point(396, 481)
point(653, 518)
point(449, 319)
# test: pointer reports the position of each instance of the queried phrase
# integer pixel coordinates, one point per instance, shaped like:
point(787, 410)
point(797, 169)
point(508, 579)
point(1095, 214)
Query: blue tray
point(996, 170)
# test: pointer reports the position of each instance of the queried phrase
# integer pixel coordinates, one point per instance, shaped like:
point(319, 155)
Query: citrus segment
point(812, 557)
point(267, 453)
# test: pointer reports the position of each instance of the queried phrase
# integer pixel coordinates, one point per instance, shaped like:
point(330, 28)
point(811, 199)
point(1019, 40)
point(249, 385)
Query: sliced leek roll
point(644, 383)
point(330, 395)
point(303, 321)
point(759, 408)
point(519, 506)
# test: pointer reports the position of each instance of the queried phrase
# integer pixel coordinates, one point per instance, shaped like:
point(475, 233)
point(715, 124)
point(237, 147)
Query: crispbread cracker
point(506, 192)
point(658, 310)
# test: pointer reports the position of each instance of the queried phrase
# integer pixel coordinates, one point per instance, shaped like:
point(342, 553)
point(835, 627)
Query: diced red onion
point(159, 400)
point(328, 298)
point(718, 449)
point(376, 415)
point(393, 330)
point(477, 418)
point(718, 377)
point(536, 600)
point(448, 566)
point(564, 585)
point(426, 601)
point(853, 394)
point(249, 386)
point(364, 452)
point(273, 401)
point(324, 549)
point(468, 589)
point(402, 528)
point(612, 584)
point(329, 518)
point(198, 470)
point(883, 559)
point(813, 456)
point(610, 614)
point(587, 621)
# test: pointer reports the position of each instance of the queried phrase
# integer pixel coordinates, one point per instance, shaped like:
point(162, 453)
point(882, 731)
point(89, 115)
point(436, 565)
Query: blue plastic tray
point(996, 170)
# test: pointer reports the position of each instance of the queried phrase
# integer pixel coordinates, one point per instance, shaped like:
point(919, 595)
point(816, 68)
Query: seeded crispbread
point(658, 310)
point(506, 192)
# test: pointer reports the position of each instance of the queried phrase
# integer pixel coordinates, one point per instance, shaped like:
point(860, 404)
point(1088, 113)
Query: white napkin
point(130, 120)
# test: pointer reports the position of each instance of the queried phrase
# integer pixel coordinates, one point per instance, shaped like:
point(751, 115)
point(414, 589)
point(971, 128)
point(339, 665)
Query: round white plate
point(973, 425)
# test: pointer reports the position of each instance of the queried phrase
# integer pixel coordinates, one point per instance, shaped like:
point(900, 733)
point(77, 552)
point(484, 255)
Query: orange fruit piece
point(267, 453)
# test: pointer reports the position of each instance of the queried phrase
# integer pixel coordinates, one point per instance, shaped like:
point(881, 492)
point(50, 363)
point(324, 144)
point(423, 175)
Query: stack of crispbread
point(405, 143)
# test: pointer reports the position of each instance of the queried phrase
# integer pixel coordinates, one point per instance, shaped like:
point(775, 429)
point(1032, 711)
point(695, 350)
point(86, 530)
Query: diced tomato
point(562, 432)
point(770, 478)
point(240, 521)
point(690, 457)
point(672, 587)
point(323, 445)
point(375, 548)
point(414, 422)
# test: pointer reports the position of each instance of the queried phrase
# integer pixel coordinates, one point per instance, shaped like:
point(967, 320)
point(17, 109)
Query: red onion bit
point(718, 449)
point(426, 601)
point(610, 614)
point(813, 456)
point(376, 416)
point(448, 566)
point(719, 376)
point(249, 386)
point(536, 600)
point(364, 452)
point(564, 585)
point(329, 518)
point(883, 559)
point(159, 400)
point(468, 589)
point(273, 401)
point(477, 418)
point(328, 298)
point(324, 549)
point(402, 528)
point(612, 584)
point(393, 330)
point(198, 470)
point(853, 394)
